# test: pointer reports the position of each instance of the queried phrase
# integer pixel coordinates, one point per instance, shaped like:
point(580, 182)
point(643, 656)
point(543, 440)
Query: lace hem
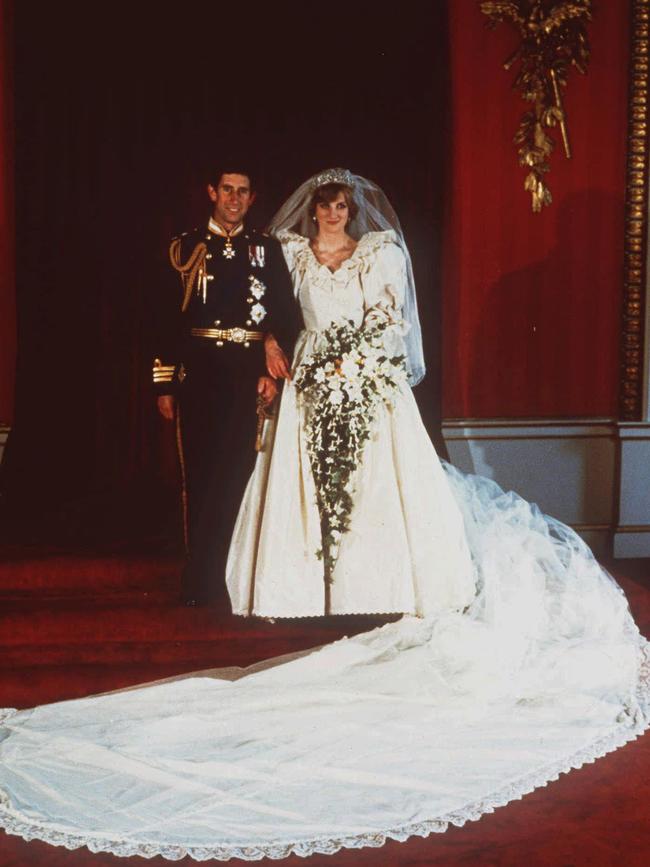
point(14, 823)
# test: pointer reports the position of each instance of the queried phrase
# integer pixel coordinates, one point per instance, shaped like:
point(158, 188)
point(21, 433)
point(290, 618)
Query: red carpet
point(72, 626)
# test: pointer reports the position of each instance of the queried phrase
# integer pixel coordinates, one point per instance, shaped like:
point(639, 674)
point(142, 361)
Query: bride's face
point(332, 216)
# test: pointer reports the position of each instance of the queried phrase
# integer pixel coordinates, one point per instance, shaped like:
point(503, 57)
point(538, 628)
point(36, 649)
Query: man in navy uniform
point(225, 332)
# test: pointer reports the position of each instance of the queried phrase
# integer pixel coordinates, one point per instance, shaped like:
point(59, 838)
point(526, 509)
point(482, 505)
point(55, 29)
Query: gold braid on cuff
point(162, 372)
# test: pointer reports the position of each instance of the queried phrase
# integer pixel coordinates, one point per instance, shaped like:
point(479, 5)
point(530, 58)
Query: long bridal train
point(399, 731)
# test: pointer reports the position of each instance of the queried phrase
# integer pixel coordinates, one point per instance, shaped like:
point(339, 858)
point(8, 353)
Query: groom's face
point(232, 197)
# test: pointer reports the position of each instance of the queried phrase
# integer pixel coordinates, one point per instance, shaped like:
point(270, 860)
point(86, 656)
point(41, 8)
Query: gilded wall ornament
point(553, 39)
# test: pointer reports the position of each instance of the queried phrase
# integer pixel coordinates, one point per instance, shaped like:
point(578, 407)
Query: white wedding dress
point(526, 664)
point(406, 549)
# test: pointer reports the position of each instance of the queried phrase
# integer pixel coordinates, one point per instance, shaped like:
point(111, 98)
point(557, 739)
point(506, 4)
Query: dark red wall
point(532, 301)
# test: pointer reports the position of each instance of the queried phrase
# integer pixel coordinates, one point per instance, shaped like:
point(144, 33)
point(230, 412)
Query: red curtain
point(7, 265)
point(532, 301)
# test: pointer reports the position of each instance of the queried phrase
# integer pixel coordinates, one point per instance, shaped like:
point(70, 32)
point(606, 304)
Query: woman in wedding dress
point(523, 661)
point(405, 548)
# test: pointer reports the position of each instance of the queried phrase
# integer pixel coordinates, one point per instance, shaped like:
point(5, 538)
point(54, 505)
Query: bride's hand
point(276, 361)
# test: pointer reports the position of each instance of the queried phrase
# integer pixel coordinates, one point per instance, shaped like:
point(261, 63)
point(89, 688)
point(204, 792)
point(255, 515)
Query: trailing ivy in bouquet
point(343, 385)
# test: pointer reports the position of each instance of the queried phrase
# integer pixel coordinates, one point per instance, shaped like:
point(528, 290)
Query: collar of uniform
point(217, 229)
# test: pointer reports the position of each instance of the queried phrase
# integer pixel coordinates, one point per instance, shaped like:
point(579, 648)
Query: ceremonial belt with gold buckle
point(231, 335)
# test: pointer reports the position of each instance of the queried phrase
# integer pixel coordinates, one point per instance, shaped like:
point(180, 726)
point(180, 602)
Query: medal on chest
point(228, 251)
point(256, 255)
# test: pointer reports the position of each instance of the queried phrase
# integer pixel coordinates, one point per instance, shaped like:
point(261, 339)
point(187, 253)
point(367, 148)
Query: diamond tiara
point(333, 176)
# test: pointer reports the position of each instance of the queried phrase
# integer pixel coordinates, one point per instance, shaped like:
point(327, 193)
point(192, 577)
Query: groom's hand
point(166, 404)
point(267, 389)
point(276, 361)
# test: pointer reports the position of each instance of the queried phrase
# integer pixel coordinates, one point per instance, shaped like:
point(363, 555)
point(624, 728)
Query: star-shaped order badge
point(258, 312)
point(257, 288)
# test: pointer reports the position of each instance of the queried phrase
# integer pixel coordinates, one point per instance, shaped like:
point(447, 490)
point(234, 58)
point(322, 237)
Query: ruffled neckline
point(305, 256)
point(343, 264)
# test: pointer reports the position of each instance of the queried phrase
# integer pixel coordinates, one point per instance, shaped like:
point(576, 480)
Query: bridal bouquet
point(343, 385)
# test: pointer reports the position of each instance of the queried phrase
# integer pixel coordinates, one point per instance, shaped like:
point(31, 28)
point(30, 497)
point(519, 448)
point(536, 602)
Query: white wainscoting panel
point(566, 466)
point(632, 534)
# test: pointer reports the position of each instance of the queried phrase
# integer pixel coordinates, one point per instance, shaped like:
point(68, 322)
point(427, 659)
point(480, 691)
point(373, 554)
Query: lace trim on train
point(633, 723)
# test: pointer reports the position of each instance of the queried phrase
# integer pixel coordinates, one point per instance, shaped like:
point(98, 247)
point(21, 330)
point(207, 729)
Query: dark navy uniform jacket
point(249, 288)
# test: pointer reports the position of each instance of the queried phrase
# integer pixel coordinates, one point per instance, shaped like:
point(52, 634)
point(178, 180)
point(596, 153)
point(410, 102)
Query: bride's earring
point(314, 218)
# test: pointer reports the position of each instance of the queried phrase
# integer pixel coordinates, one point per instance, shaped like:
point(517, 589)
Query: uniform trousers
point(217, 429)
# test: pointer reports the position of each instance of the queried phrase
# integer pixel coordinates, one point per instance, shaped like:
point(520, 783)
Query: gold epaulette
point(162, 372)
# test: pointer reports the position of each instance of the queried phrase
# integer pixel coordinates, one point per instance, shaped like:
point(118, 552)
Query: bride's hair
point(327, 193)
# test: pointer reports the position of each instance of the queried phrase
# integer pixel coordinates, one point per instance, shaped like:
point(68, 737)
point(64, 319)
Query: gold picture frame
point(636, 222)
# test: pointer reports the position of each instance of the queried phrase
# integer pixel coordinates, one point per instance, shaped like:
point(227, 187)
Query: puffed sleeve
point(384, 280)
point(292, 245)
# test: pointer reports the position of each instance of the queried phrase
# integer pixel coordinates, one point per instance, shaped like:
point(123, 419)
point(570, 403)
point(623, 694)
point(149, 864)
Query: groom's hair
point(233, 168)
